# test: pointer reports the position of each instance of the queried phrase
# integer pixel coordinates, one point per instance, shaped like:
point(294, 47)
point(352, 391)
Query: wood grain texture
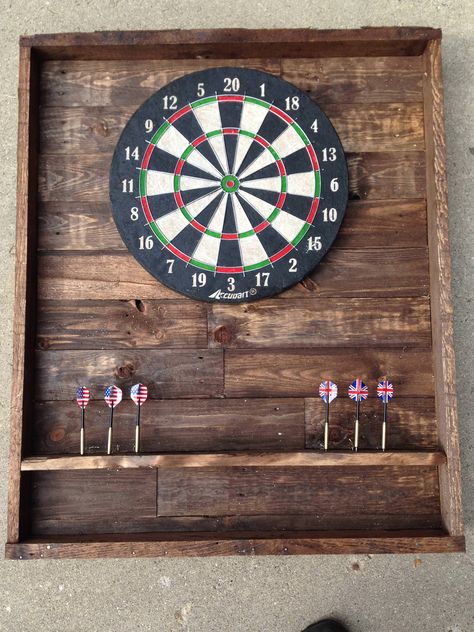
point(189, 545)
point(85, 526)
point(306, 458)
point(122, 83)
point(411, 423)
point(235, 43)
point(372, 175)
point(441, 300)
point(357, 80)
point(307, 323)
point(174, 426)
point(115, 500)
point(344, 491)
point(25, 290)
point(89, 226)
point(374, 127)
point(169, 373)
point(121, 324)
point(286, 373)
point(371, 272)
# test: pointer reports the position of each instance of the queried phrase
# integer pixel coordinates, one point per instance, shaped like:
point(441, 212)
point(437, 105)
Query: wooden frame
point(234, 43)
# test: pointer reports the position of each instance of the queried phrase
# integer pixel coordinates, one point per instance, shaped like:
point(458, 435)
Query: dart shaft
point(83, 414)
point(137, 430)
point(384, 432)
point(326, 428)
point(356, 429)
point(109, 436)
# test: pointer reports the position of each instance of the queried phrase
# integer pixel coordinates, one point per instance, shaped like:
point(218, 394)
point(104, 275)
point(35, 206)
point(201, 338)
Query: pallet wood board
point(233, 424)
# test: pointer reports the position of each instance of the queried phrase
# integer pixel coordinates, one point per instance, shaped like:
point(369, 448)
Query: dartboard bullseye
point(229, 185)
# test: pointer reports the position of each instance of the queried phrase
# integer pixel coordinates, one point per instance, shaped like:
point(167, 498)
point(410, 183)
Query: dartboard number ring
point(229, 185)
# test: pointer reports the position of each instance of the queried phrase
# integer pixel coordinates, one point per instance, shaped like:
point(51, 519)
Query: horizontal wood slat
point(114, 500)
point(169, 373)
point(124, 82)
point(321, 322)
point(411, 422)
point(374, 127)
point(357, 80)
point(374, 272)
point(279, 373)
point(375, 176)
point(174, 425)
point(330, 80)
point(90, 226)
point(121, 324)
point(336, 491)
point(239, 543)
point(306, 459)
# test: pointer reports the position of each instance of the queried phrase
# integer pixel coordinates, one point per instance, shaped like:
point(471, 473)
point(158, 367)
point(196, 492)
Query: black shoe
point(327, 625)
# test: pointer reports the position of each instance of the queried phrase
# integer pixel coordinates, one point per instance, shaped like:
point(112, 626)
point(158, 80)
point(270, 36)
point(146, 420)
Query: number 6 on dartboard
point(229, 184)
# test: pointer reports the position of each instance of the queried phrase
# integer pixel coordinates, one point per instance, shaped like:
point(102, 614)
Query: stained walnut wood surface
point(241, 377)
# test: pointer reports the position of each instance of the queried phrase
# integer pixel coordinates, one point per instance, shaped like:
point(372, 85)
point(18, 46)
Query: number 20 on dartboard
point(229, 185)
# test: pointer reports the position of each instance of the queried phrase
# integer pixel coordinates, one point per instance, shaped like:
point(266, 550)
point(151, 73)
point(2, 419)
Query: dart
point(327, 392)
point(358, 391)
point(384, 393)
point(82, 398)
point(139, 394)
point(113, 397)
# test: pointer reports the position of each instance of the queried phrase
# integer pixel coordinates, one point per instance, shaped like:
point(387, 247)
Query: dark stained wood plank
point(239, 543)
point(25, 291)
point(317, 322)
point(357, 80)
point(168, 373)
point(121, 324)
point(234, 43)
point(365, 273)
point(87, 525)
point(373, 127)
point(269, 373)
point(304, 458)
point(375, 176)
point(114, 500)
point(380, 176)
point(174, 426)
point(332, 491)
point(97, 276)
point(371, 272)
point(411, 423)
point(441, 297)
point(88, 226)
point(378, 127)
point(123, 82)
point(383, 224)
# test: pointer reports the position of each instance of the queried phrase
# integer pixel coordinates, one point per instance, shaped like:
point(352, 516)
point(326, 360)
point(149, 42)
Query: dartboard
point(229, 185)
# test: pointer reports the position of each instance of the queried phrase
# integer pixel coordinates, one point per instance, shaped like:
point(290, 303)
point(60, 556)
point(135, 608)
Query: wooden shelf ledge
point(233, 459)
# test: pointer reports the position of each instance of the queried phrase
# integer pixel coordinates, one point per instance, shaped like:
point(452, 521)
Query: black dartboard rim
point(293, 246)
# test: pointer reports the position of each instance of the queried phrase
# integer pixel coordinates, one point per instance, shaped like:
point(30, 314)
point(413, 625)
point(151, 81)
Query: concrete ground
point(270, 594)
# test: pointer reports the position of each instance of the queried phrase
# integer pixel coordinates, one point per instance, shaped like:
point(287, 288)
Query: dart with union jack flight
point(139, 394)
point(327, 392)
point(384, 393)
point(113, 397)
point(358, 392)
point(82, 398)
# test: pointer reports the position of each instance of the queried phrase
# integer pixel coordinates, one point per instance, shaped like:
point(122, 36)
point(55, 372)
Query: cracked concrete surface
point(428, 593)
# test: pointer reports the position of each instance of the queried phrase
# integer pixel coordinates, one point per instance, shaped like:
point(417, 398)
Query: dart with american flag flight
point(327, 392)
point(385, 394)
point(113, 397)
point(82, 398)
point(139, 394)
point(358, 392)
